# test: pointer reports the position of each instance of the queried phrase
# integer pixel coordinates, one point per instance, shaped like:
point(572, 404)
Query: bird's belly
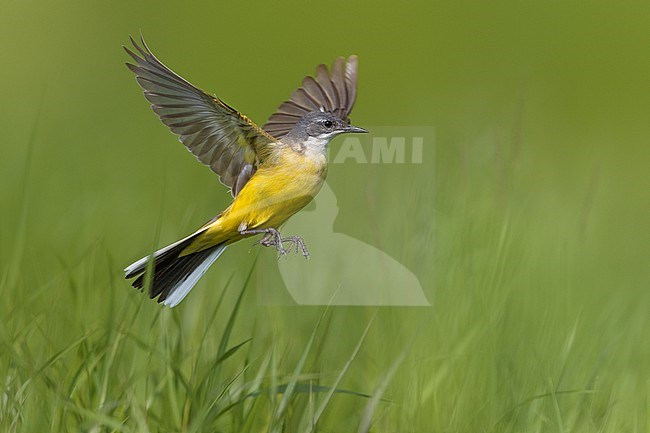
point(276, 197)
point(273, 195)
point(267, 200)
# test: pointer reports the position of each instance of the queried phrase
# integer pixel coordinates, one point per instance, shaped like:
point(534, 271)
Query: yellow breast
point(274, 193)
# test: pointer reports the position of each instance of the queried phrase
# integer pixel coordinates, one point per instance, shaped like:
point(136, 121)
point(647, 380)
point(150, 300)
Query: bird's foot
point(299, 243)
point(272, 238)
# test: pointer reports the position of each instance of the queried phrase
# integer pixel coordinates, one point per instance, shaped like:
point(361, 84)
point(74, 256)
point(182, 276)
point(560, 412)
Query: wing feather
point(338, 81)
point(334, 91)
point(217, 134)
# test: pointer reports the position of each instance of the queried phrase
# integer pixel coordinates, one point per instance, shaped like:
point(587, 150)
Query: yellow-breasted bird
point(273, 171)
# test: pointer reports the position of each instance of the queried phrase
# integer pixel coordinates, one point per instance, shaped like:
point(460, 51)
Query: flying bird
point(272, 171)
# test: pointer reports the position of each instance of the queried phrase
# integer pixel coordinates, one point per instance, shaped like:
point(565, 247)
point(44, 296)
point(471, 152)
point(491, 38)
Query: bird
point(272, 171)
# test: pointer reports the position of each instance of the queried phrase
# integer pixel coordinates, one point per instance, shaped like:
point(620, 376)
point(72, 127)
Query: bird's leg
point(272, 238)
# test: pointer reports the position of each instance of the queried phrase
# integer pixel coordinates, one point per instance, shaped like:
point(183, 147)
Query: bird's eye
point(328, 123)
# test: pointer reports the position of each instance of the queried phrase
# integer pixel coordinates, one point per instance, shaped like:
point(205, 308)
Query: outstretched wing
point(217, 134)
point(334, 91)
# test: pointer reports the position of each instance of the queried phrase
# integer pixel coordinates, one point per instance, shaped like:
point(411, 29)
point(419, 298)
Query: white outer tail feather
point(178, 292)
point(141, 264)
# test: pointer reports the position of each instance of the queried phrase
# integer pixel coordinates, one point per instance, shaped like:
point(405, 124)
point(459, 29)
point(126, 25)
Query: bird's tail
point(173, 275)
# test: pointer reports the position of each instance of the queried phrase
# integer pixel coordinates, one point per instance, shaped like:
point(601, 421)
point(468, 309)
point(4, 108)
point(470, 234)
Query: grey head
point(317, 128)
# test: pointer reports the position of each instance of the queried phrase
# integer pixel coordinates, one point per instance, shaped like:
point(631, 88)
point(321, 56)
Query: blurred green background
point(527, 224)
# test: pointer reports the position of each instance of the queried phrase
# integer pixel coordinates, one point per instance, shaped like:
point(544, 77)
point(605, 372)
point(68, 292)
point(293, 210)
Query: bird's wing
point(217, 134)
point(334, 91)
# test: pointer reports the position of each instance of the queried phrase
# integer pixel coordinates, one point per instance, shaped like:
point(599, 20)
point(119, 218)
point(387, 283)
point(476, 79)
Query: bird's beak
point(356, 129)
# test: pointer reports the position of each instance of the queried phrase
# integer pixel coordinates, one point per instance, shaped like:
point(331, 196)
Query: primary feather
point(334, 92)
point(217, 134)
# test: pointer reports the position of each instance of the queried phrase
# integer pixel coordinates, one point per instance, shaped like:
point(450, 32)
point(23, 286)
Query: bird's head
point(318, 128)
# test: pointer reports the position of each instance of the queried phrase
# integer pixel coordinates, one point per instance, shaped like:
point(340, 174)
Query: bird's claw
point(272, 238)
point(299, 243)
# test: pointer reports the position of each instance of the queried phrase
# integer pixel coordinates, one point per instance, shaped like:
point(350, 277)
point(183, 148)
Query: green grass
point(527, 225)
point(526, 333)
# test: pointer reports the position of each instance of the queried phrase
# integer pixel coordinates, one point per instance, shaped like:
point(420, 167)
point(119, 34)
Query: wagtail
point(272, 171)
